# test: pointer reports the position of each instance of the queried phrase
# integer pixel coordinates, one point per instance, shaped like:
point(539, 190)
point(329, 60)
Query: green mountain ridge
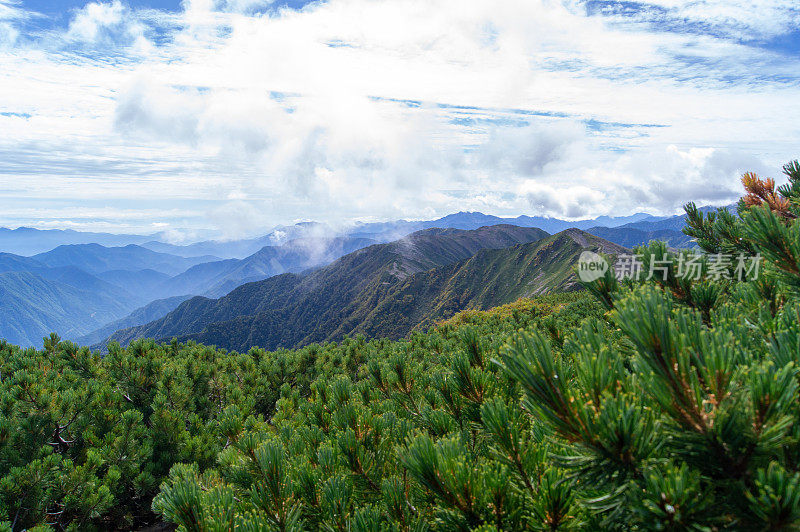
point(217, 278)
point(322, 294)
point(392, 309)
point(487, 279)
point(141, 315)
point(385, 290)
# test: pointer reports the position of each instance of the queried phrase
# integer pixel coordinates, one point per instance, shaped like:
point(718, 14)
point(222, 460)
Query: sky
point(228, 117)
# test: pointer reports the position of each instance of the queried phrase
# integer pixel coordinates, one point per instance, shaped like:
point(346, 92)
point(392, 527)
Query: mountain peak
point(588, 240)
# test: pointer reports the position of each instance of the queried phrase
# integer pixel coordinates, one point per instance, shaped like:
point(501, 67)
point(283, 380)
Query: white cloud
point(94, 18)
point(743, 20)
point(256, 115)
point(108, 24)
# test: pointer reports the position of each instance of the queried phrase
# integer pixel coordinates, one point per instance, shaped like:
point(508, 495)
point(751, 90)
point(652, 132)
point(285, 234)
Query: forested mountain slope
point(487, 279)
point(331, 288)
point(147, 313)
point(34, 306)
point(392, 307)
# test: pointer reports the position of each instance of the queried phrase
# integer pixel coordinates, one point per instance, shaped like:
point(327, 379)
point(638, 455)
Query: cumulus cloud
point(253, 114)
point(532, 150)
point(567, 202)
point(108, 24)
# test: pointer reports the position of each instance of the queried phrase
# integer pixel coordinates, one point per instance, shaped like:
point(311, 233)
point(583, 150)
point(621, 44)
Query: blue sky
point(59, 8)
point(226, 117)
point(62, 8)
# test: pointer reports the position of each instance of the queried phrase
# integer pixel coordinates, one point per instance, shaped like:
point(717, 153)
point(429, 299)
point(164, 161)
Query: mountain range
point(389, 231)
point(217, 278)
point(70, 289)
point(33, 306)
point(382, 290)
point(94, 258)
point(87, 287)
point(29, 241)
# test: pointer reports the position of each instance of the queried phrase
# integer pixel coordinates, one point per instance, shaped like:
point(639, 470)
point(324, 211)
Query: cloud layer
point(237, 115)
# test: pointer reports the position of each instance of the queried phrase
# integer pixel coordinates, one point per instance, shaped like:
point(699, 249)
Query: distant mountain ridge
point(629, 236)
point(384, 290)
point(333, 287)
point(140, 316)
point(389, 231)
point(34, 306)
point(94, 258)
point(215, 279)
point(29, 241)
point(141, 270)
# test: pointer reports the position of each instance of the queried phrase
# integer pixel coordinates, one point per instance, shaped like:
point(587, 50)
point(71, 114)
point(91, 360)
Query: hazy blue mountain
point(145, 283)
point(629, 237)
point(36, 299)
point(132, 276)
point(16, 263)
point(671, 223)
point(33, 307)
point(322, 296)
point(473, 220)
point(215, 279)
point(223, 249)
point(243, 248)
point(77, 278)
point(383, 231)
point(28, 241)
point(94, 258)
point(70, 275)
point(140, 316)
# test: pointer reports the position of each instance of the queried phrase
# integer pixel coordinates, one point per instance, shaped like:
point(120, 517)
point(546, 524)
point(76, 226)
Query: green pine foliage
point(275, 439)
point(654, 403)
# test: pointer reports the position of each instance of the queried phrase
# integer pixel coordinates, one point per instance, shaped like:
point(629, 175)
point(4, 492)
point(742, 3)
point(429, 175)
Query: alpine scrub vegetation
point(654, 402)
point(86, 441)
point(674, 411)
